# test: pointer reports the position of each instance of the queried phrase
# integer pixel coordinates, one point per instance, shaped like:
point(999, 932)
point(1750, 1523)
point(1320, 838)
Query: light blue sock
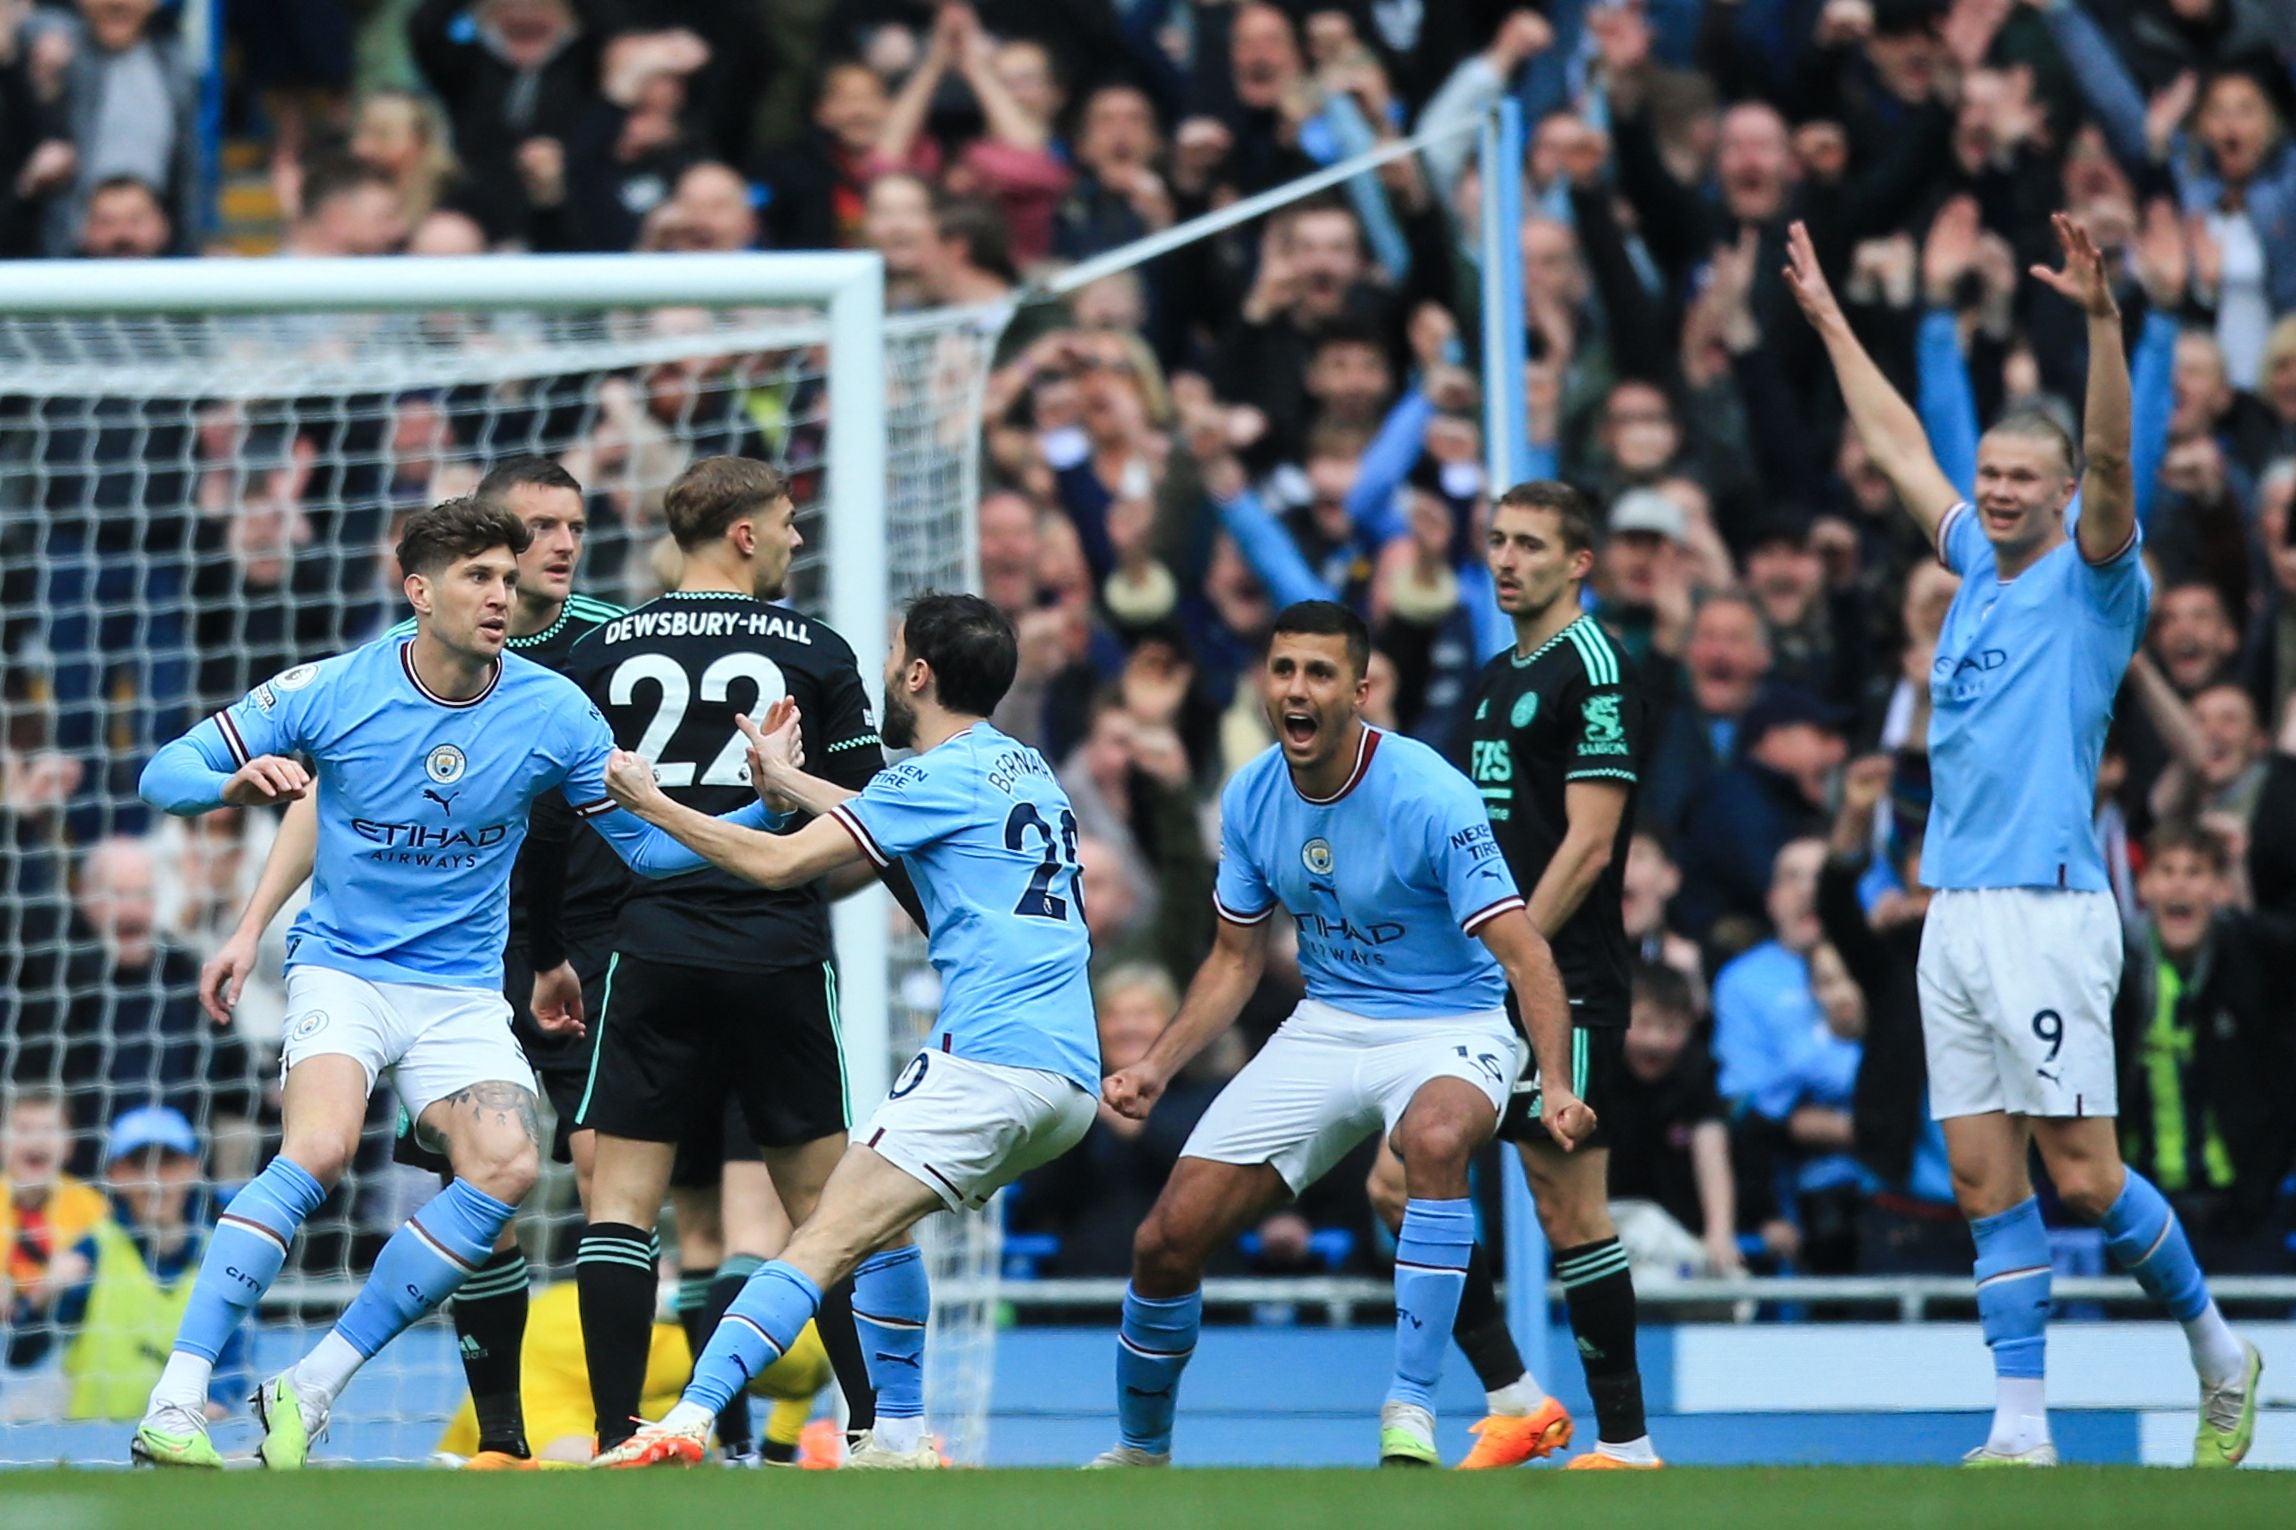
point(890, 1301)
point(245, 1253)
point(2013, 1288)
point(774, 1306)
point(1152, 1349)
point(423, 1264)
point(1430, 1271)
point(2148, 1241)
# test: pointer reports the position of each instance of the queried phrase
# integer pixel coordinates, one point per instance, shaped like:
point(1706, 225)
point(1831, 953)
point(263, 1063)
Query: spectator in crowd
point(1764, 1007)
point(47, 1217)
point(710, 210)
point(510, 73)
point(1117, 195)
point(140, 1263)
point(124, 220)
point(125, 1025)
point(2202, 1037)
point(1094, 1197)
point(1651, 881)
point(1789, 744)
point(815, 188)
point(1672, 1191)
point(131, 105)
point(897, 222)
point(348, 208)
point(1725, 662)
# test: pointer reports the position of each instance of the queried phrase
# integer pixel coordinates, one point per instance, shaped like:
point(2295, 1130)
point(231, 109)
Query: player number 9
point(2049, 1026)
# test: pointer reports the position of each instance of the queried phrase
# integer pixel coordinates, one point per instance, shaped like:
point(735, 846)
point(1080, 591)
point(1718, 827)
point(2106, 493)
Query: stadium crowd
point(1289, 410)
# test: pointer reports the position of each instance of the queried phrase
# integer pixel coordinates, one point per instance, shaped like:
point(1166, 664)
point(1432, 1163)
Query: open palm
point(2083, 279)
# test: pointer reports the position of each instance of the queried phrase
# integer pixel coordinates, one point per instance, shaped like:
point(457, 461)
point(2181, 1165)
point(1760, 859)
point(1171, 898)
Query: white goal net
point(192, 500)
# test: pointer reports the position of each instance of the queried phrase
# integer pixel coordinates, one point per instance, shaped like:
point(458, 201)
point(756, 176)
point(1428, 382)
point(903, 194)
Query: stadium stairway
point(249, 220)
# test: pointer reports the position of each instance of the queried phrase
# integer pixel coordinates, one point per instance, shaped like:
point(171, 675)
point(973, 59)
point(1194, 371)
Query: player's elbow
point(166, 785)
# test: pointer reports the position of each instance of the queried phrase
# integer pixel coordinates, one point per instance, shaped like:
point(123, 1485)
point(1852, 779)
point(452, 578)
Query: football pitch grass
point(1819, 1498)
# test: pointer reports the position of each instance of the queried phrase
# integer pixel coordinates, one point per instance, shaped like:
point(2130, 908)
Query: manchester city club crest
point(1316, 856)
point(445, 764)
point(308, 1026)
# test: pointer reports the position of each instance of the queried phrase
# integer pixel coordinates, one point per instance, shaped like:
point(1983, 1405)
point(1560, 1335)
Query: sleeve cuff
point(1491, 911)
point(2115, 556)
point(861, 836)
point(1232, 917)
point(1944, 531)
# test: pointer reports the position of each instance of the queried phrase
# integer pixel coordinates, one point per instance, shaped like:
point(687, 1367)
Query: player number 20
point(1059, 855)
point(731, 766)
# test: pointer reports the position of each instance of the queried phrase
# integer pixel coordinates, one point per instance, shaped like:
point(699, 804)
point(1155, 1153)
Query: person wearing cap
point(139, 1261)
point(1789, 744)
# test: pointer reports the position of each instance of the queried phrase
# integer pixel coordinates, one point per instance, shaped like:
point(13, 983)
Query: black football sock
point(1599, 1290)
point(834, 1322)
point(734, 1429)
point(1480, 1329)
point(692, 1305)
point(614, 1271)
point(490, 1328)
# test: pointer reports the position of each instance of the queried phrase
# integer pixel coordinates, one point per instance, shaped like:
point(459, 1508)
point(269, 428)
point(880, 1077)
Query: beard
point(899, 728)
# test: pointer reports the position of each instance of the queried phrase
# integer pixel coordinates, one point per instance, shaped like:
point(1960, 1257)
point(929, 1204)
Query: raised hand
point(268, 778)
point(1808, 283)
point(1949, 251)
point(2083, 279)
point(2159, 255)
point(776, 751)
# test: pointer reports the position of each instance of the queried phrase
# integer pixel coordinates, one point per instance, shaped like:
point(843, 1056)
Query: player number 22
point(731, 767)
point(1059, 854)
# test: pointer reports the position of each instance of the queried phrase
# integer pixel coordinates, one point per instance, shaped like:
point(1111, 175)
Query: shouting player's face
point(554, 517)
point(777, 542)
point(1311, 690)
point(1530, 567)
point(466, 605)
point(2023, 486)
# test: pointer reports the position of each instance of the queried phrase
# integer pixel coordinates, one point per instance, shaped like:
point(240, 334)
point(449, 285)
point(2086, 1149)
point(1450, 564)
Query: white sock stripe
point(2157, 1242)
point(884, 1322)
point(1459, 1269)
point(1146, 1353)
point(257, 1228)
point(765, 1338)
point(416, 1227)
point(2007, 1275)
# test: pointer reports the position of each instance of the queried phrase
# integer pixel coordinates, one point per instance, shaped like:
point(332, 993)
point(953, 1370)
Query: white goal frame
point(850, 285)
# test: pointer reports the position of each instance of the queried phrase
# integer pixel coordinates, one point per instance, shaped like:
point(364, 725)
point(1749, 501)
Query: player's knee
point(2088, 1188)
point(504, 1170)
point(1434, 1142)
point(322, 1155)
point(1164, 1260)
point(1569, 1223)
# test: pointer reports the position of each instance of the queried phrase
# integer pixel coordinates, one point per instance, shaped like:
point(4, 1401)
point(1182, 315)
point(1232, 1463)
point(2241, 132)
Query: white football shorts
point(433, 1041)
point(2017, 988)
point(1327, 1079)
point(966, 1129)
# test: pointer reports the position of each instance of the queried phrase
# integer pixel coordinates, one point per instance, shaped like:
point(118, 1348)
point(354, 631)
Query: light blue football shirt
point(989, 840)
point(422, 803)
point(1386, 882)
point(2020, 693)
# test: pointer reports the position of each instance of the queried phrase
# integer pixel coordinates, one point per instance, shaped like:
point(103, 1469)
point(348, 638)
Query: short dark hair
point(1573, 511)
point(970, 645)
point(129, 181)
point(459, 528)
point(1656, 983)
point(715, 492)
point(1327, 618)
point(524, 472)
point(339, 175)
point(1347, 329)
point(988, 244)
point(2187, 834)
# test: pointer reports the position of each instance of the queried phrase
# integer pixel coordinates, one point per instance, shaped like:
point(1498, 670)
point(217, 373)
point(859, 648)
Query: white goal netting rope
point(190, 504)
